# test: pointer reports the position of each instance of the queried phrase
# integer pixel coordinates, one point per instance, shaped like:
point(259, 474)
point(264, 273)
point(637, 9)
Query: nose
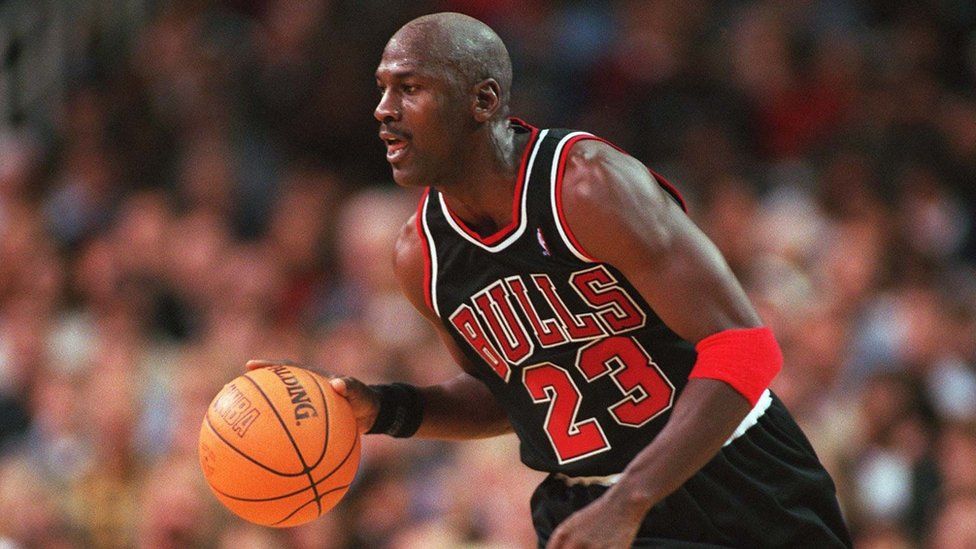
point(386, 108)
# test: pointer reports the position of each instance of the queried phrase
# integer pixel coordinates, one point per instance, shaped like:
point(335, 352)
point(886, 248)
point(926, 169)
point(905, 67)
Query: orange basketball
point(278, 446)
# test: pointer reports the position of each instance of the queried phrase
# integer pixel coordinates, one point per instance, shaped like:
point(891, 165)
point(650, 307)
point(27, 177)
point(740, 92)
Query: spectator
point(210, 188)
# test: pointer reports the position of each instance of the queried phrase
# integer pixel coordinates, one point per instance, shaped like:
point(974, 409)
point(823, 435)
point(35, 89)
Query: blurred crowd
point(210, 189)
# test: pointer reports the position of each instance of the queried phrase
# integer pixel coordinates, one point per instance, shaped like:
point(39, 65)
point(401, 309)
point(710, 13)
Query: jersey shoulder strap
point(545, 190)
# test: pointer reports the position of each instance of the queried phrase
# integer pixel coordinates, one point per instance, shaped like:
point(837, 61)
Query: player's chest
point(511, 317)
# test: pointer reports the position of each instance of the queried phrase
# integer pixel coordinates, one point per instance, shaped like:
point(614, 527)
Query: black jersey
point(585, 369)
point(588, 375)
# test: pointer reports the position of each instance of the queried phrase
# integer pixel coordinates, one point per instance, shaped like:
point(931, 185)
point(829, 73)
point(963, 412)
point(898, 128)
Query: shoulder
point(409, 250)
point(410, 257)
point(606, 194)
point(597, 172)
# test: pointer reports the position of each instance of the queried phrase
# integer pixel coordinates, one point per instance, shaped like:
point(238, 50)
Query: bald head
point(465, 48)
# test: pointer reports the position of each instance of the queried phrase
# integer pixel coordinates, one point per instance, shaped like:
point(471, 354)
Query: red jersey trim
point(560, 171)
point(428, 261)
point(558, 193)
point(672, 190)
point(513, 225)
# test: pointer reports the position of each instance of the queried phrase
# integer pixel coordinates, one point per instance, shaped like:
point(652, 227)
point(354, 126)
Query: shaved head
point(444, 82)
point(467, 50)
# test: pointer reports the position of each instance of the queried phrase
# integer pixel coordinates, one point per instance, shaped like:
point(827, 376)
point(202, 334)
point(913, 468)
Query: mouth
point(396, 146)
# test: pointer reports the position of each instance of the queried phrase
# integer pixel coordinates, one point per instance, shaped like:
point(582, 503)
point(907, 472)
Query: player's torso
point(585, 369)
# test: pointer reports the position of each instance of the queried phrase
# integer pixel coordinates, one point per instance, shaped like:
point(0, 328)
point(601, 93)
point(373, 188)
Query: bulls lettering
point(549, 332)
point(467, 325)
point(600, 290)
point(579, 327)
point(495, 308)
point(500, 336)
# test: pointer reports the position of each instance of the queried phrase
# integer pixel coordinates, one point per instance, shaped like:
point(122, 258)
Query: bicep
point(687, 282)
point(621, 216)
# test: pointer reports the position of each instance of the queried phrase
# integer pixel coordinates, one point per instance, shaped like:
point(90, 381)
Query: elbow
point(747, 359)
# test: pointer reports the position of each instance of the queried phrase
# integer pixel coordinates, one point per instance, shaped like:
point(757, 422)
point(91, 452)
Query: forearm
point(704, 417)
point(462, 408)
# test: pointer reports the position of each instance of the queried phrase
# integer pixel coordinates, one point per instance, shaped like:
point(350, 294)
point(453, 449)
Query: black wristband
point(401, 410)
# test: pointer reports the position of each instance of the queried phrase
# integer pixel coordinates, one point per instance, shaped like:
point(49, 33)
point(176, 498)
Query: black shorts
point(765, 489)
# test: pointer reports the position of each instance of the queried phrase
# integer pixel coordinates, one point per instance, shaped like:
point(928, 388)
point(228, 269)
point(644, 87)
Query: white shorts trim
point(752, 418)
point(765, 400)
point(608, 480)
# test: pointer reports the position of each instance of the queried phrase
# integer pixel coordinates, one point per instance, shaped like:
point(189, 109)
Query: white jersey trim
point(553, 187)
point(433, 257)
point(523, 213)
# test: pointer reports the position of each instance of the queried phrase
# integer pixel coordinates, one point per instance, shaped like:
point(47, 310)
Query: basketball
point(278, 446)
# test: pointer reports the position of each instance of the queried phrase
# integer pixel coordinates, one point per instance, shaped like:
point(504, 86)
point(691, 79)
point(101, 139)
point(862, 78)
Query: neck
point(482, 194)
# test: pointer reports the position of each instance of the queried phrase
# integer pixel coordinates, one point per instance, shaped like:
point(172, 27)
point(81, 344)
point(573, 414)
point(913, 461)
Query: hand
point(365, 401)
point(604, 523)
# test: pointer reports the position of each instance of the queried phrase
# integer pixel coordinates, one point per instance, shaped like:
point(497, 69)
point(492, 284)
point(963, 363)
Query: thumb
point(339, 385)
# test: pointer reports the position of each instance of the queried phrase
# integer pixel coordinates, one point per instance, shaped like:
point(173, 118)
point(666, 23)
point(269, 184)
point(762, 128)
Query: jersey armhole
point(559, 170)
point(562, 153)
point(430, 257)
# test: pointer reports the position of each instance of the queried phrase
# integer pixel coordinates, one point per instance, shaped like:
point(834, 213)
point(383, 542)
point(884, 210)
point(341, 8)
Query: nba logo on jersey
point(542, 242)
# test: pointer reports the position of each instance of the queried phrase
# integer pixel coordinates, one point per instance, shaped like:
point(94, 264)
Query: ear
point(487, 99)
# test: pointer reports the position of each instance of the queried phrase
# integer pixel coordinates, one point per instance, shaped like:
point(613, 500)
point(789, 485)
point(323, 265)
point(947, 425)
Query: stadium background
point(186, 185)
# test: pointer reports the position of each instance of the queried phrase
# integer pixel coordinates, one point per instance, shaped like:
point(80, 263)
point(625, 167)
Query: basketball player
point(590, 316)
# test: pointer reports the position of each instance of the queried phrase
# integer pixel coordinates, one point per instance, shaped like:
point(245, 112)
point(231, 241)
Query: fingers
point(339, 385)
point(364, 400)
point(264, 363)
point(349, 387)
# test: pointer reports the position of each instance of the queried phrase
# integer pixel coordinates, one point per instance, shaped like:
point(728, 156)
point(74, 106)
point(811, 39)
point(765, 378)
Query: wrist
point(632, 497)
point(399, 412)
point(374, 396)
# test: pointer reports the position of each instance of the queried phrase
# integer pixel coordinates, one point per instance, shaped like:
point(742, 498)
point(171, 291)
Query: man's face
point(421, 115)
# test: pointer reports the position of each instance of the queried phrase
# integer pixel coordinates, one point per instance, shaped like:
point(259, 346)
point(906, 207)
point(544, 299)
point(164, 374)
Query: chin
point(404, 178)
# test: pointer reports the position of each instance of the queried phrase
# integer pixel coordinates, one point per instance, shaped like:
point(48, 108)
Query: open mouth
point(395, 149)
point(396, 145)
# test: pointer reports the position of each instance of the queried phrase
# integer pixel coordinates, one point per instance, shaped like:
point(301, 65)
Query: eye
point(409, 88)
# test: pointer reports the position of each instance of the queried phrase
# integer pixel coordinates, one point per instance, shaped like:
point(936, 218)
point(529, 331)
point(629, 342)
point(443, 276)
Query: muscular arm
point(461, 408)
point(621, 216)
